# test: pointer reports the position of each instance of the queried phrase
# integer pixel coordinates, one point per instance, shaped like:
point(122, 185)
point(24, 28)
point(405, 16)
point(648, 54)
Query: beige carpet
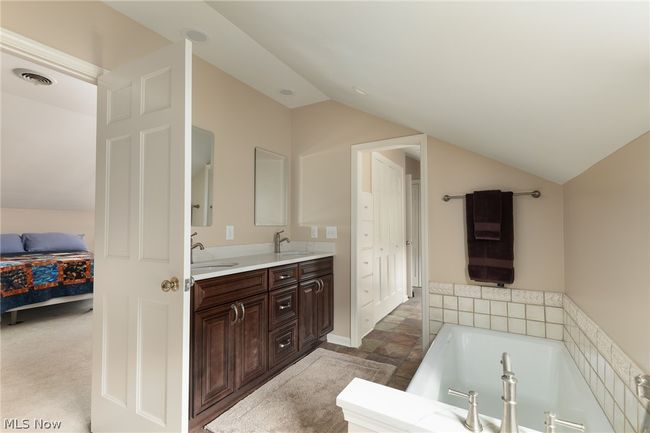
point(301, 399)
point(45, 366)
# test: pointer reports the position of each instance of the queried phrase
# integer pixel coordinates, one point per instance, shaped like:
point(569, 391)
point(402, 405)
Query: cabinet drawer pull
point(243, 311)
point(234, 307)
point(284, 276)
point(285, 343)
point(284, 306)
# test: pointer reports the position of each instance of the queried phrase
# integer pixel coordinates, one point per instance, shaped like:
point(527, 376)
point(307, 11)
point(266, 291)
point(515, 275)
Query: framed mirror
point(271, 179)
point(202, 176)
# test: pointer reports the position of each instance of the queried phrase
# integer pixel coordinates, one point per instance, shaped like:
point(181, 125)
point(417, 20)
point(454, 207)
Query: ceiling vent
point(34, 77)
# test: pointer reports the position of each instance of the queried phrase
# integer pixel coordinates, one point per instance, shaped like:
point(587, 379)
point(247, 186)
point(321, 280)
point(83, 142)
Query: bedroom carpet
point(302, 399)
point(45, 366)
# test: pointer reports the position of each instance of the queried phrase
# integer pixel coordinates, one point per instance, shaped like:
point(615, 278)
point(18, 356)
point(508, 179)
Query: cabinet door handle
point(234, 307)
point(320, 285)
point(284, 276)
point(285, 306)
point(243, 311)
point(285, 343)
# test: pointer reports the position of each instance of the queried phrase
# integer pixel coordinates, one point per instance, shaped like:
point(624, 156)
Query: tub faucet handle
point(552, 421)
point(472, 423)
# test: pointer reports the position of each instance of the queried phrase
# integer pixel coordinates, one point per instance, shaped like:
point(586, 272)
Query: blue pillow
point(11, 243)
point(53, 242)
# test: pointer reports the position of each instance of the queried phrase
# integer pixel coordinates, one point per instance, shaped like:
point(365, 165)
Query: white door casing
point(389, 242)
point(416, 246)
point(409, 232)
point(140, 332)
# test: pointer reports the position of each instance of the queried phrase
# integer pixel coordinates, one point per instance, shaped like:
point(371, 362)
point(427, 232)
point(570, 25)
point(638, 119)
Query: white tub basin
point(467, 358)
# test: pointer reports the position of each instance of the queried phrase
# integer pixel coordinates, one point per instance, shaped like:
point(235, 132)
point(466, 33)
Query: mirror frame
point(286, 188)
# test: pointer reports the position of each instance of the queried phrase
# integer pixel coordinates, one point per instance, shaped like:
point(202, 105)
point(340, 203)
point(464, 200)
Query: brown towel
point(487, 215)
point(491, 261)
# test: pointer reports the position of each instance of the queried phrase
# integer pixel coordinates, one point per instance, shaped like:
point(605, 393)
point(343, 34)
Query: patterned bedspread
point(30, 278)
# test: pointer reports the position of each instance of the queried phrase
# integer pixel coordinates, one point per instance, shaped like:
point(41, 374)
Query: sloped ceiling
point(48, 140)
point(548, 87)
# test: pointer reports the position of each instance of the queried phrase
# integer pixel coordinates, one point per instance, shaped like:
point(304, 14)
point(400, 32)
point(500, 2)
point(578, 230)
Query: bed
point(38, 279)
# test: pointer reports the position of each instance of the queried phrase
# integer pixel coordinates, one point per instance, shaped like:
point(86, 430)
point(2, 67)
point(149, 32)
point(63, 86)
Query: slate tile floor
point(396, 340)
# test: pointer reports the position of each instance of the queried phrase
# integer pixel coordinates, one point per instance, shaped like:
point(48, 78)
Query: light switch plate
point(314, 232)
point(230, 232)
point(331, 232)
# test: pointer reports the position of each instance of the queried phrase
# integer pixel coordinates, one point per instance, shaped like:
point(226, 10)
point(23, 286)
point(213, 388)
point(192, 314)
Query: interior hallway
point(396, 340)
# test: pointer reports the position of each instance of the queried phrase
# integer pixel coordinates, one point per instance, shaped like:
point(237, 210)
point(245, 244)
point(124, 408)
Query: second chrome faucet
point(277, 241)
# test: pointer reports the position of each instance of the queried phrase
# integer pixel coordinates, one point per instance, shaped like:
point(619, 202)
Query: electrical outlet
point(230, 232)
point(314, 232)
point(331, 232)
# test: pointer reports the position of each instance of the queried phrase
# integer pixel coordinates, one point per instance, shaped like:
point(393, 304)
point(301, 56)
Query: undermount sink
point(293, 253)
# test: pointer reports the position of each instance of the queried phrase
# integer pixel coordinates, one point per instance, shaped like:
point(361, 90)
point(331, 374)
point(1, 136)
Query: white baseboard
point(337, 339)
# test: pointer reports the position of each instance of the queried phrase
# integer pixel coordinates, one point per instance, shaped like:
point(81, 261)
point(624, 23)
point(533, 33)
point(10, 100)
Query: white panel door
point(389, 239)
point(140, 331)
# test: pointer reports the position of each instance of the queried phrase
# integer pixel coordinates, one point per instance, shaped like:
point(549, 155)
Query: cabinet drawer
point(283, 276)
point(365, 234)
point(314, 268)
point(364, 290)
point(229, 288)
point(365, 206)
point(366, 319)
point(364, 265)
point(283, 344)
point(283, 306)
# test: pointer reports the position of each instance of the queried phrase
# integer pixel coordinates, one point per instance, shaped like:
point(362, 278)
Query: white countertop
point(212, 268)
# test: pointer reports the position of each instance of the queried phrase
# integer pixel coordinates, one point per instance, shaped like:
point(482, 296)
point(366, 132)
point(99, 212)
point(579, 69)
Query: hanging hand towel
point(487, 215)
point(491, 261)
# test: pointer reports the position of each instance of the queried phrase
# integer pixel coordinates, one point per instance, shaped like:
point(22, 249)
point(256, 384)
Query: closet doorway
point(383, 236)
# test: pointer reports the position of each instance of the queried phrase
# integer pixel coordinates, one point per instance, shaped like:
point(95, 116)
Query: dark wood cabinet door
point(307, 331)
point(252, 339)
point(325, 306)
point(213, 356)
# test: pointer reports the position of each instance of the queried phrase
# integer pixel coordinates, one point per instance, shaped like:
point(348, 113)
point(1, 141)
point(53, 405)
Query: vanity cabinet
point(249, 326)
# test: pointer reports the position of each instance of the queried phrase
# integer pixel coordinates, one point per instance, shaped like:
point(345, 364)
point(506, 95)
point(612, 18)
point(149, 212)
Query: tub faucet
point(505, 362)
point(509, 397)
point(277, 241)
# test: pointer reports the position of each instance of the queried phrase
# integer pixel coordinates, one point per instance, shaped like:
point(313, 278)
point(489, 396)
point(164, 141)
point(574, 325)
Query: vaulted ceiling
point(548, 87)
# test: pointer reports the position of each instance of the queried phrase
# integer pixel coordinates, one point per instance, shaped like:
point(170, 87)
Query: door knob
point(171, 284)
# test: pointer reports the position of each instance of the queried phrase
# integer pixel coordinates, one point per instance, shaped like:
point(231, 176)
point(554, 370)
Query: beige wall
point(607, 225)
point(240, 117)
point(322, 135)
point(539, 261)
point(47, 220)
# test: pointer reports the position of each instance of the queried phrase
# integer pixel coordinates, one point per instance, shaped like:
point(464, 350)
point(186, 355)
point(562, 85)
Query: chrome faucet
point(277, 241)
point(509, 397)
point(194, 245)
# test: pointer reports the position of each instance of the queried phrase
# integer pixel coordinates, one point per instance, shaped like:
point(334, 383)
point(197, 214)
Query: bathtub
point(467, 359)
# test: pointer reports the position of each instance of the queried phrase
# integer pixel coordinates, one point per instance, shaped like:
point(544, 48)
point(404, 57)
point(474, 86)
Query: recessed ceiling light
point(286, 92)
point(360, 91)
point(195, 35)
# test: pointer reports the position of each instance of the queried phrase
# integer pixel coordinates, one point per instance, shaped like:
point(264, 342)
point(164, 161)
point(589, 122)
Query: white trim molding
point(337, 339)
point(355, 188)
point(24, 47)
